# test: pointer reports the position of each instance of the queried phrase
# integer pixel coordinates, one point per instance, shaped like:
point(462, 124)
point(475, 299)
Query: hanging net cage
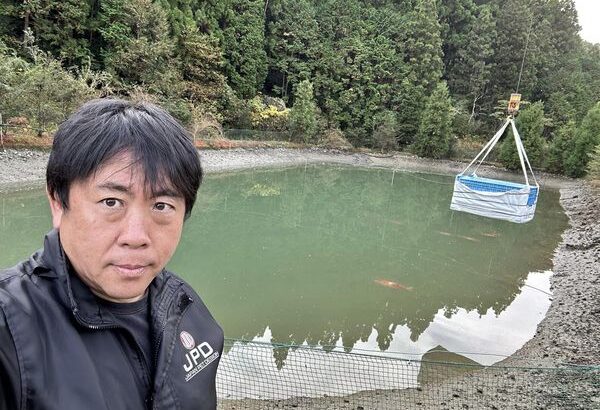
point(492, 198)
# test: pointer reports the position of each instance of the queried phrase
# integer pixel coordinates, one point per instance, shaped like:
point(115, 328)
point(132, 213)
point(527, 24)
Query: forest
point(431, 77)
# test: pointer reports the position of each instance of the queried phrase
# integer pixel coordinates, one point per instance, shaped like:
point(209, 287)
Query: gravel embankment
point(22, 169)
point(569, 334)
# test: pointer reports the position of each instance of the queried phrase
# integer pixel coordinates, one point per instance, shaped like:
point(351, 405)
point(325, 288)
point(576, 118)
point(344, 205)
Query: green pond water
point(349, 258)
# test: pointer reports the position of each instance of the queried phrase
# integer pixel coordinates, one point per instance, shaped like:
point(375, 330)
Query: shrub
point(587, 137)
point(433, 138)
point(42, 91)
point(560, 147)
point(303, 116)
point(386, 132)
point(267, 117)
point(593, 168)
point(334, 138)
point(530, 124)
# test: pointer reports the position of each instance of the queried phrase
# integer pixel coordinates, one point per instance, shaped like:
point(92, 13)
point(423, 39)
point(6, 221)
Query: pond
point(350, 258)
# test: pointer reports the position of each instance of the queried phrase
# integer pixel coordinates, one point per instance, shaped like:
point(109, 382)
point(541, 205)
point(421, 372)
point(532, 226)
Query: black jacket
point(58, 351)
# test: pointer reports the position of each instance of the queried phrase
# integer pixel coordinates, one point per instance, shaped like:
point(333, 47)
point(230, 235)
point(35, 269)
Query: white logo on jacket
point(187, 340)
point(198, 357)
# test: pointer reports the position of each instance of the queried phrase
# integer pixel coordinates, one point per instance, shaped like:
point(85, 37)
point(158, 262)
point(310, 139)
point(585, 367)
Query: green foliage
point(360, 62)
point(560, 147)
point(60, 27)
point(469, 67)
point(240, 27)
point(593, 168)
point(303, 116)
point(267, 117)
point(292, 44)
point(530, 124)
point(386, 131)
point(364, 59)
point(138, 48)
point(514, 23)
point(411, 100)
point(586, 139)
point(434, 136)
point(423, 43)
point(41, 90)
point(201, 65)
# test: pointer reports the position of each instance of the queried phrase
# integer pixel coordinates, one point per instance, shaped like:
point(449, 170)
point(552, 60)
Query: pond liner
point(493, 198)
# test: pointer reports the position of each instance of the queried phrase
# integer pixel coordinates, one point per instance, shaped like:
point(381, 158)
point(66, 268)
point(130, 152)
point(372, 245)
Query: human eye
point(111, 202)
point(163, 207)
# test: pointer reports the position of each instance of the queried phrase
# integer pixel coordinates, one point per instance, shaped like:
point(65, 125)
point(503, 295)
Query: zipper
point(185, 299)
point(146, 370)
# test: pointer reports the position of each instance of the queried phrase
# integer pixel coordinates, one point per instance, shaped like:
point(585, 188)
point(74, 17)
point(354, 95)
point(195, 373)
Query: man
point(93, 320)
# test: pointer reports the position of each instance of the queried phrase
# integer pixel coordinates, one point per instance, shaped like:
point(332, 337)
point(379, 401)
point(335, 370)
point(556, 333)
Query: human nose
point(134, 232)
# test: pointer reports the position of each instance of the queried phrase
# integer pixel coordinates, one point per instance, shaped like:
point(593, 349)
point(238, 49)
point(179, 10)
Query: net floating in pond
point(492, 198)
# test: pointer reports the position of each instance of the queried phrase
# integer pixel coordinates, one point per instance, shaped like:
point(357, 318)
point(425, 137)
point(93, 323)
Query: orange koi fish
point(468, 238)
point(392, 284)
point(492, 234)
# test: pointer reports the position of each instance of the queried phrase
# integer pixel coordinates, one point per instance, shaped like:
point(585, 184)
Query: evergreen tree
point(468, 73)
point(593, 169)
point(457, 20)
point(138, 48)
point(292, 31)
point(303, 116)
point(560, 147)
point(59, 27)
point(554, 36)
point(515, 29)
point(360, 65)
point(434, 136)
point(587, 138)
point(411, 100)
point(180, 14)
point(530, 124)
point(240, 27)
point(11, 26)
point(386, 131)
point(423, 44)
point(201, 68)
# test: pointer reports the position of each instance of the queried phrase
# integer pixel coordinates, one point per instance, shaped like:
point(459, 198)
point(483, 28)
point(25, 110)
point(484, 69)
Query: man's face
point(118, 236)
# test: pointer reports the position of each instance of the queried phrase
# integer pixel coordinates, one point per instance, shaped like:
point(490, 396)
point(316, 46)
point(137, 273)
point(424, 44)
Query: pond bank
point(570, 332)
point(23, 169)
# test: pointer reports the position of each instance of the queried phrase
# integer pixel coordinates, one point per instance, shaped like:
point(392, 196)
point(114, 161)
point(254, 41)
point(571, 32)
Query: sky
point(589, 13)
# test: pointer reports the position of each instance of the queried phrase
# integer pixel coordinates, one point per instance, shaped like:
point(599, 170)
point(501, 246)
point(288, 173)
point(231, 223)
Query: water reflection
point(303, 253)
point(444, 350)
point(306, 256)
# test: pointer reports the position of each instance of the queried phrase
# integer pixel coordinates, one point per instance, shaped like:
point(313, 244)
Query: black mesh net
point(255, 375)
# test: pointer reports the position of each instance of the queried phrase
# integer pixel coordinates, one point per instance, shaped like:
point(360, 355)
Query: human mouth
point(130, 270)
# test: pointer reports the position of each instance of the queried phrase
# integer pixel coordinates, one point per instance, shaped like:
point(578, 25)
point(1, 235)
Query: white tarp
point(511, 205)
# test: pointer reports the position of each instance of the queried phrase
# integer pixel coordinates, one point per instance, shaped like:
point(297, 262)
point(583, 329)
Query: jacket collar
point(52, 262)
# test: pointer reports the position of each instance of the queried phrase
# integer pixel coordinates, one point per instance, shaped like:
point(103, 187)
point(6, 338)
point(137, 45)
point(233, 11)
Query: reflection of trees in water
point(303, 263)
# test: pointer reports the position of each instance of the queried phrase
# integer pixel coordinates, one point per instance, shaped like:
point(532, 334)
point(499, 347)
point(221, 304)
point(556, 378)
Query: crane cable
point(524, 54)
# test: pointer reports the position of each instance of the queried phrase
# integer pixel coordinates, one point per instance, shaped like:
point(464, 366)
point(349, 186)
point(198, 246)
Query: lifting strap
point(485, 151)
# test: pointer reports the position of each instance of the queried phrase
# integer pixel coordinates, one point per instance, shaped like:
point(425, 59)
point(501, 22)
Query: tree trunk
point(26, 22)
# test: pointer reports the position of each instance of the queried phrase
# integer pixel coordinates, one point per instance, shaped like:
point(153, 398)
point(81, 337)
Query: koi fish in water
point(492, 234)
point(468, 238)
point(392, 284)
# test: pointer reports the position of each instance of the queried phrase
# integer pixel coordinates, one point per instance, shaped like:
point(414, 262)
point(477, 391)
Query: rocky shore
point(569, 335)
point(22, 169)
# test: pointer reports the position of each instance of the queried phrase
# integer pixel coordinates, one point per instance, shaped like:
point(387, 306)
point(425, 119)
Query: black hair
point(104, 128)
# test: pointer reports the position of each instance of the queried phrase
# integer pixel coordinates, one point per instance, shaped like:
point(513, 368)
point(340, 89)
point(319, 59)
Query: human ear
point(56, 208)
